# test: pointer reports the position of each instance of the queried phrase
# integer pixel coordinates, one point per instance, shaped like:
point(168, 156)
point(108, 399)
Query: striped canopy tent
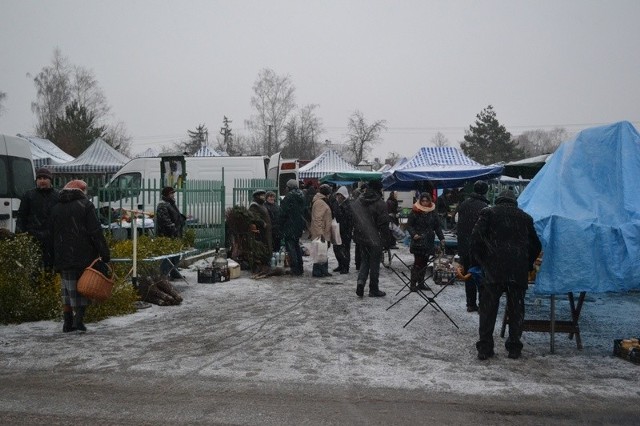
point(325, 164)
point(99, 158)
point(45, 153)
point(444, 167)
point(206, 151)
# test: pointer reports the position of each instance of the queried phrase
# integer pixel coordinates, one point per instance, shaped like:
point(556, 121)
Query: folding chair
point(428, 295)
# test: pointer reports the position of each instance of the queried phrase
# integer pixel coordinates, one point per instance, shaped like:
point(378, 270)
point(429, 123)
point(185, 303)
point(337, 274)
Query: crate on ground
point(628, 349)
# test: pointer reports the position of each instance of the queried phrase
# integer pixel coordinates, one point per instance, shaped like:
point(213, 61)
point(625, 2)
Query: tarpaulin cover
point(444, 167)
point(586, 209)
point(349, 177)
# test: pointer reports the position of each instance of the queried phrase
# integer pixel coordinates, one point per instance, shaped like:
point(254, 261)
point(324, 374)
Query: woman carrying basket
point(77, 241)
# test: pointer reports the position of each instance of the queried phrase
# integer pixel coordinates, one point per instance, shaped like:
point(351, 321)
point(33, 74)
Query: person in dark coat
point(371, 231)
point(392, 207)
point(274, 214)
point(77, 241)
point(344, 217)
point(263, 224)
point(506, 246)
point(169, 223)
point(293, 224)
point(423, 226)
point(468, 212)
point(34, 214)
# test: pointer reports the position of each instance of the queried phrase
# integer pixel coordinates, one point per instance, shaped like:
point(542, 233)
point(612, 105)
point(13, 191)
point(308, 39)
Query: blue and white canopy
point(326, 163)
point(444, 167)
point(98, 158)
point(44, 152)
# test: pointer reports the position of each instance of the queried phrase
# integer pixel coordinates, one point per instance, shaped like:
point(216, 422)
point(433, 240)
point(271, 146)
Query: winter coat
point(35, 211)
point(274, 216)
point(77, 235)
point(169, 221)
point(426, 224)
point(392, 210)
point(505, 243)
point(468, 213)
point(263, 223)
point(371, 221)
point(344, 216)
point(320, 226)
point(292, 223)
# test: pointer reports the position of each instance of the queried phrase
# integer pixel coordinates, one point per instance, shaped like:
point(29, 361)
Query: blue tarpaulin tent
point(586, 209)
point(444, 167)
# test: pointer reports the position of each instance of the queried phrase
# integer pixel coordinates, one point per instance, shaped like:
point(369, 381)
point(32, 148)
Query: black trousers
point(343, 254)
point(489, 304)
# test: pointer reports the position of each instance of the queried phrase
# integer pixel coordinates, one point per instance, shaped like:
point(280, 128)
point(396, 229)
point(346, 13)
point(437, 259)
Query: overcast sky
point(424, 66)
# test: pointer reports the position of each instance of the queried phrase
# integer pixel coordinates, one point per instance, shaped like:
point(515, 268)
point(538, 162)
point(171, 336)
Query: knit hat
point(480, 187)
point(167, 190)
point(292, 183)
point(507, 196)
point(258, 192)
point(325, 189)
point(76, 184)
point(44, 172)
point(343, 191)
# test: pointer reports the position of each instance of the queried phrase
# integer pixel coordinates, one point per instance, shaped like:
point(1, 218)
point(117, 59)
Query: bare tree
point(392, 158)
point(273, 99)
point(439, 140)
point(117, 136)
point(3, 96)
point(362, 135)
point(302, 132)
point(538, 142)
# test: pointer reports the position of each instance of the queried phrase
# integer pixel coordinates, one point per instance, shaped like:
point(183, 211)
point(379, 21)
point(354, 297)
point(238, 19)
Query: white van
point(171, 170)
point(17, 176)
point(282, 170)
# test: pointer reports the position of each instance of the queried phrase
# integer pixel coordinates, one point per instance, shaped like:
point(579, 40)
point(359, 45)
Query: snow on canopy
point(527, 167)
point(44, 152)
point(99, 157)
point(205, 151)
point(444, 167)
point(326, 163)
point(586, 210)
point(148, 153)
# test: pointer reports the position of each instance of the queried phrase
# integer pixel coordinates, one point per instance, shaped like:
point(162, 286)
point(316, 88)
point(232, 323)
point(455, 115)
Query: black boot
point(374, 291)
point(67, 326)
point(79, 318)
point(360, 290)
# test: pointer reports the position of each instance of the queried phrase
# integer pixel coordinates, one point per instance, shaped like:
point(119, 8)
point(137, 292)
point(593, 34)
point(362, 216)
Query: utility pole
point(269, 141)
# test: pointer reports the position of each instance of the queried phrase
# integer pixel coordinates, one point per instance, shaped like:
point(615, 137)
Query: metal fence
point(243, 190)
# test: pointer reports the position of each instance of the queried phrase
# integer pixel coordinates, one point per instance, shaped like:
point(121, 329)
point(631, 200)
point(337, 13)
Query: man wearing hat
point(505, 244)
point(467, 214)
point(263, 223)
point(169, 223)
point(292, 224)
point(34, 213)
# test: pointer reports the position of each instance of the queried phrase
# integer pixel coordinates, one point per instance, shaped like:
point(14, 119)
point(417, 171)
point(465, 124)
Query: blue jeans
point(292, 245)
point(369, 265)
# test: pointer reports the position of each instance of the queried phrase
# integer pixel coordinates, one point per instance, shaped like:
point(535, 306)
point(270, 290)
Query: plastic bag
point(397, 232)
point(336, 239)
point(318, 251)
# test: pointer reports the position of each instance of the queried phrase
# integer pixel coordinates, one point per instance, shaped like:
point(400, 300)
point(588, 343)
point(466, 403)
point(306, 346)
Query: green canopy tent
point(351, 176)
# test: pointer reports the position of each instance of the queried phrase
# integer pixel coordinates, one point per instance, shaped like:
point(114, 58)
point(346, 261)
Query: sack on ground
point(336, 239)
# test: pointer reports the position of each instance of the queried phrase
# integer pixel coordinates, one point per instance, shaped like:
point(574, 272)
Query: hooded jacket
point(77, 235)
point(505, 243)
point(427, 225)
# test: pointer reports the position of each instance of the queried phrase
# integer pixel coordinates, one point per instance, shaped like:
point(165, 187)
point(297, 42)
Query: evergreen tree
point(489, 142)
point(197, 139)
point(74, 132)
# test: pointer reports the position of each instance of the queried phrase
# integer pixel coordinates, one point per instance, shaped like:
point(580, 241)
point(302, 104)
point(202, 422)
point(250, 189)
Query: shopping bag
point(318, 251)
point(397, 232)
point(336, 239)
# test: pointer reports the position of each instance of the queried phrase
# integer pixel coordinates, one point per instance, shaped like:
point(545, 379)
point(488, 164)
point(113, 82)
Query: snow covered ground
point(302, 329)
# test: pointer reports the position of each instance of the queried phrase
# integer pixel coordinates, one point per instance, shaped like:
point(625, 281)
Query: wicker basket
point(94, 285)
